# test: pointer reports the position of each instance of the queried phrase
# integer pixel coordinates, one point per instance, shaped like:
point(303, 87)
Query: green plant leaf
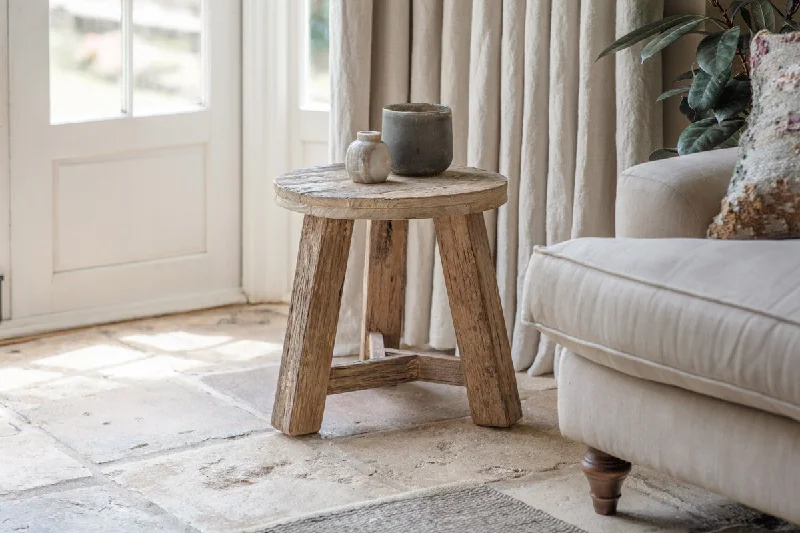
point(763, 16)
point(663, 153)
point(692, 114)
point(737, 5)
point(744, 41)
point(735, 99)
point(732, 142)
point(715, 53)
point(706, 135)
point(674, 92)
point(706, 89)
point(756, 24)
point(688, 75)
point(792, 6)
point(668, 37)
point(761, 13)
point(648, 30)
point(747, 18)
point(687, 110)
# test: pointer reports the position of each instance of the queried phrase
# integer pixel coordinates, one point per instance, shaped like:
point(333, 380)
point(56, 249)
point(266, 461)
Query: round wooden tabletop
point(328, 192)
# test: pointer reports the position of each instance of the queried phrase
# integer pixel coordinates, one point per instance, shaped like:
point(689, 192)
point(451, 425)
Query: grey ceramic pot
point(420, 137)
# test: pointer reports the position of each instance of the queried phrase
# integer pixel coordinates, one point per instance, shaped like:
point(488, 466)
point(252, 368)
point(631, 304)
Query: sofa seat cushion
point(721, 318)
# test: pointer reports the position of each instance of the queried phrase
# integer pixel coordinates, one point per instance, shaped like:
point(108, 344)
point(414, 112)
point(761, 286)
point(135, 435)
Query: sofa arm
point(675, 197)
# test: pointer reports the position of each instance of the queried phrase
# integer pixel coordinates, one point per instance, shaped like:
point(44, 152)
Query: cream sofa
point(679, 353)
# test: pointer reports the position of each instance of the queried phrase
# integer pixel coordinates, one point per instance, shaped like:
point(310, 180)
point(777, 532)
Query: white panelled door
point(125, 157)
point(309, 95)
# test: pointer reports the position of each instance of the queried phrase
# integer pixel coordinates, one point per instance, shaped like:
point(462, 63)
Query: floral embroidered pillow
point(763, 199)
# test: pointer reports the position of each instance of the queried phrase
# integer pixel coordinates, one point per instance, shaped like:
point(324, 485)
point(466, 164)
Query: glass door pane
point(316, 72)
point(85, 60)
point(167, 56)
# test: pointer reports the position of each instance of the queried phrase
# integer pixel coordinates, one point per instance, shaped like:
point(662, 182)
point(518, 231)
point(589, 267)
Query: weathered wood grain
point(311, 329)
point(328, 192)
point(384, 282)
point(478, 319)
point(445, 369)
point(361, 375)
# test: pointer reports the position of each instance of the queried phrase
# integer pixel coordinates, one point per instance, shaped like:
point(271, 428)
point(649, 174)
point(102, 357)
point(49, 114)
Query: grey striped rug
point(448, 510)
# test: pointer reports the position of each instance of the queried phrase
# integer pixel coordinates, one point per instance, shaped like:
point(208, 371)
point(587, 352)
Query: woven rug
point(453, 510)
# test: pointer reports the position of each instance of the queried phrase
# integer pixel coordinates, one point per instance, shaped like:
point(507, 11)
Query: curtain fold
point(528, 100)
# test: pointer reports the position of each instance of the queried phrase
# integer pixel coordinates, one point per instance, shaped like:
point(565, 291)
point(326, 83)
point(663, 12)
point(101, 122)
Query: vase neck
point(369, 136)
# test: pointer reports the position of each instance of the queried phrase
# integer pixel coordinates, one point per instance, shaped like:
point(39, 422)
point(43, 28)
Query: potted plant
point(716, 94)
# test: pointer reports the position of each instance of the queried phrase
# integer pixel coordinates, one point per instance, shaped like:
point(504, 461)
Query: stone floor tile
point(90, 357)
point(225, 339)
point(671, 506)
point(31, 459)
point(17, 378)
point(140, 419)
point(459, 451)
point(531, 384)
point(540, 410)
point(243, 352)
point(708, 508)
point(245, 483)
point(565, 495)
point(157, 367)
point(34, 395)
point(235, 321)
point(93, 509)
point(52, 345)
point(404, 406)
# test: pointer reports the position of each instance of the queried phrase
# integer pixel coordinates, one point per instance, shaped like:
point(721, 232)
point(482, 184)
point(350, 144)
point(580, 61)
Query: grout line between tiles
point(99, 479)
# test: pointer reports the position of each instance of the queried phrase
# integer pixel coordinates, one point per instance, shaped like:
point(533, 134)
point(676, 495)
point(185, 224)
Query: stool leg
point(384, 282)
point(311, 329)
point(478, 320)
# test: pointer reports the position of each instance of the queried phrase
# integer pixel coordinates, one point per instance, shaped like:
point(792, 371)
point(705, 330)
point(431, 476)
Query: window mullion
point(126, 33)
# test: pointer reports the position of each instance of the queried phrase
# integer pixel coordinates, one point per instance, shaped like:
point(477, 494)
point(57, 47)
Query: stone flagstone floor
point(163, 425)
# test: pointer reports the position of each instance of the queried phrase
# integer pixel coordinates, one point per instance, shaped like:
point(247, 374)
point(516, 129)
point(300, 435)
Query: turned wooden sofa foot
point(606, 474)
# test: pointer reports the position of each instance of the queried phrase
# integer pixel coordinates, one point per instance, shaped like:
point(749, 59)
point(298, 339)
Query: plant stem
point(724, 13)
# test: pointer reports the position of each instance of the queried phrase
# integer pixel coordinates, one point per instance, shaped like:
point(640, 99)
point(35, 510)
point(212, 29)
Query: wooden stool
point(455, 200)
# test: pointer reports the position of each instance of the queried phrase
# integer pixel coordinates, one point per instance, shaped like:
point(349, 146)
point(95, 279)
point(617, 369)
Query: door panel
point(142, 204)
point(86, 233)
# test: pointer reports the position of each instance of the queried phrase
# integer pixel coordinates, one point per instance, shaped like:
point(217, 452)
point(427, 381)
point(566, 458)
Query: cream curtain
point(528, 100)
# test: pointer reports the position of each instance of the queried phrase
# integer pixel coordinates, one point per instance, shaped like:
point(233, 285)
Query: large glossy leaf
point(668, 37)
point(734, 100)
point(673, 92)
point(737, 5)
point(648, 30)
point(715, 53)
point(706, 135)
point(706, 89)
point(663, 153)
point(761, 13)
point(763, 16)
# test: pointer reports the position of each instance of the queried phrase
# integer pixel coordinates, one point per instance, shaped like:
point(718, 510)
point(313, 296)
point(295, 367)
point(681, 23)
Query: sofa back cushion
point(763, 200)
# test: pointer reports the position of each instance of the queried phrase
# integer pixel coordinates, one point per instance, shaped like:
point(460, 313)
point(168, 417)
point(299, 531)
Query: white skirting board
point(87, 317)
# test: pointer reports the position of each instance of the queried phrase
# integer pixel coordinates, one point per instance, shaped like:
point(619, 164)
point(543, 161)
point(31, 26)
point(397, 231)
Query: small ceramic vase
point(368, 159)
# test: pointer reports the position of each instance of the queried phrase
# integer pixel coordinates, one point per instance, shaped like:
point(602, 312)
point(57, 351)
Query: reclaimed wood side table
point(331, 202)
